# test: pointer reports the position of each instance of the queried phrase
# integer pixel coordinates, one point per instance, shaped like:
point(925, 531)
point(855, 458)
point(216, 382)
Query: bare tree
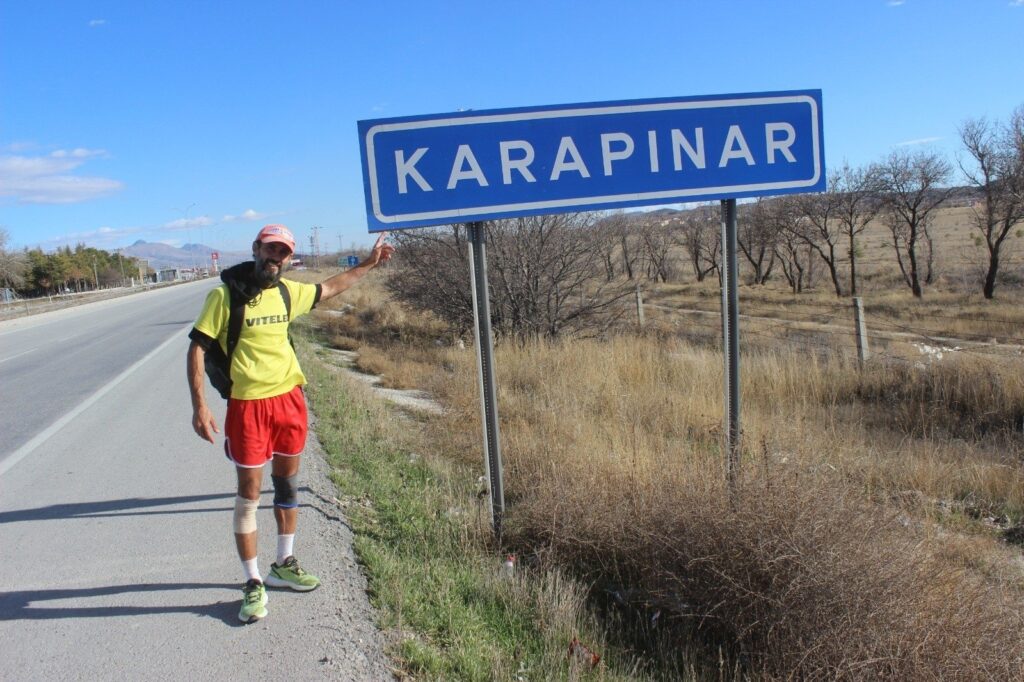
point(629, 248)
point(13, 265)
point(432, 273)
point(818, 225)
point(656, 237)
point(757, 234)
point(912, 189)
point(546, 275)
point(611, 226)
point(794, 259)
point(858, 204)
point(700, 236)
point(997, 169)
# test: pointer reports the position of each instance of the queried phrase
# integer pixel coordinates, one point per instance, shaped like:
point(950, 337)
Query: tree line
point(32, 272)
point(555, 274)
point(903, 191)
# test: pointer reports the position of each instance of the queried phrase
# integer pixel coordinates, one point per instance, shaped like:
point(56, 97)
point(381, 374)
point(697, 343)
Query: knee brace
point(286, 491)
point(245, 515)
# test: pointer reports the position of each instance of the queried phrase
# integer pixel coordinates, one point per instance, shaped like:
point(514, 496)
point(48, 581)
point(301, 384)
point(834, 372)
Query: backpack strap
point(236, 317)
point(287, 297)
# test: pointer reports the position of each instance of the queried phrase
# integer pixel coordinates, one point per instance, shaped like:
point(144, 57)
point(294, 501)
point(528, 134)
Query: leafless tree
point(757, 234)
point(795, 259)
point(13, 264)
point(611, 226)
point(996, 167)
point(431, 271)
point(818, 225)
point(546, 275)
point(857, 190)
point(700, 235)
point(912, 189)
point(656, 237)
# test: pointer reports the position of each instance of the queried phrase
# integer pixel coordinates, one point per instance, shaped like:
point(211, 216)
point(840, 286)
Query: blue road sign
point(479, 165)
point(353, 261)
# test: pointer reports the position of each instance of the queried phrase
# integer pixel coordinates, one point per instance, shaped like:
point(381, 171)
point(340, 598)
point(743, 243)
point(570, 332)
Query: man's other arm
point(203, 421)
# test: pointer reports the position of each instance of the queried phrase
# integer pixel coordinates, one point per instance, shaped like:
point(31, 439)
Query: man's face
point(272, 259)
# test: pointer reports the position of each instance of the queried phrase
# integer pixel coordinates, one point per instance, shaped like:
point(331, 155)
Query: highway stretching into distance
point(115, 518)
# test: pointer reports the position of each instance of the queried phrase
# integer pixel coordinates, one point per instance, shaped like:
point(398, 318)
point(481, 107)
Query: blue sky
point(194, 121)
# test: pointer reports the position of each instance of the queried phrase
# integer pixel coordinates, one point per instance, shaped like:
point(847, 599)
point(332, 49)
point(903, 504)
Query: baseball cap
point(277, 233)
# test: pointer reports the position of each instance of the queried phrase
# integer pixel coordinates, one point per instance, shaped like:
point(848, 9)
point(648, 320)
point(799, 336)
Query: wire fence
point(830, 329)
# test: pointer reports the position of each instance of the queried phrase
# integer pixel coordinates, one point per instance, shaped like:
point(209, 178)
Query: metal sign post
point(731, 340)
point(485, 375)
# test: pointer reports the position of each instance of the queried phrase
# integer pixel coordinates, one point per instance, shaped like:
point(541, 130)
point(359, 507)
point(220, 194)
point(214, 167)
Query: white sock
point(284, 547)
point(251, 570)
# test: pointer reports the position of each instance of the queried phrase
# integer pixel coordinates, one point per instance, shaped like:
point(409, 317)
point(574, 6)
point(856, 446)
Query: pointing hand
point(382, 251)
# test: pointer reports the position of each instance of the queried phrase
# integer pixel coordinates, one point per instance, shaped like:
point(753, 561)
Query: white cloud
point(101, 237)
point(49, 179)
point(248, 215)
point(921, 140)
point(895, 3)
point(188, 223)
point(1016, 3)
point(77, 153)
point(93, 23)
point(21, 146)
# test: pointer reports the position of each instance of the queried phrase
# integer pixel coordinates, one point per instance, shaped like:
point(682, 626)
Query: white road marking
point(44, 435)
point(31, 350)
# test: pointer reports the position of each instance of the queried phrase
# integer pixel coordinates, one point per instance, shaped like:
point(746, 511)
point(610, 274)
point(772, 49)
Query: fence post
point(639, 306)
point(862, 335)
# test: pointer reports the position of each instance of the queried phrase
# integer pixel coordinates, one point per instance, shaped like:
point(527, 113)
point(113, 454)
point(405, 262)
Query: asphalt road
point(115, 519)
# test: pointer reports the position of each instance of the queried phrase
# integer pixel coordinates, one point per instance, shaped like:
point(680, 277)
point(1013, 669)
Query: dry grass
point(860, 542)
point(613, 469)
point(392, 342)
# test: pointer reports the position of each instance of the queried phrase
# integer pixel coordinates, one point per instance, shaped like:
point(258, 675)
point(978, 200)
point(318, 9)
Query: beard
point(267, 278)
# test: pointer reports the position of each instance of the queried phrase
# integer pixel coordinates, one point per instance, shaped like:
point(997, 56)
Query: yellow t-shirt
point(263, 364)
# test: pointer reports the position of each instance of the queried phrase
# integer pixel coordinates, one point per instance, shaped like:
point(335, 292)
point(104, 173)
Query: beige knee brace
point(245, 515)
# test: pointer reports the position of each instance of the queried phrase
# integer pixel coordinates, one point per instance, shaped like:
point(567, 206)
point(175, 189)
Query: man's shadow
point(142, 506)
point(133, 506)
point(21, 605)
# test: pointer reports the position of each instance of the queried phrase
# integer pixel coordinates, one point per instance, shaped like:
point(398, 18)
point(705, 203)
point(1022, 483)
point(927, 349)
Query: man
point(266, 416)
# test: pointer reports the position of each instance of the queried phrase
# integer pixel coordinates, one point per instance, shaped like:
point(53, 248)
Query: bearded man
point(266, 417)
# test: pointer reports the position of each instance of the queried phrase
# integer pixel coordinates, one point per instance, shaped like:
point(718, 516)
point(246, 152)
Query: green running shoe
point(254, 602)
point(289, 574)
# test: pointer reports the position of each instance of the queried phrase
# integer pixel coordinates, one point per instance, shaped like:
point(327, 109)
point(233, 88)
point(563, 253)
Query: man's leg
point(286, 572)
point(254, 599)
point(249, 482)
point(285, 471)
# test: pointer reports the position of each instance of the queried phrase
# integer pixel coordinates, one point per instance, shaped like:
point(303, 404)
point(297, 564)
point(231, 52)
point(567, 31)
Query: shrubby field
point(875, 529)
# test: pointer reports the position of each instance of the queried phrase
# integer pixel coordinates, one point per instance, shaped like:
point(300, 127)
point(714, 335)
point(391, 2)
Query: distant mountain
point(189, 255)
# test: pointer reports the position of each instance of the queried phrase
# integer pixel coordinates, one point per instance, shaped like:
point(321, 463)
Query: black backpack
point(218, 363)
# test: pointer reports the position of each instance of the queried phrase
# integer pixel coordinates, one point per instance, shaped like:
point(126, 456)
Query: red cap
point(277, 233)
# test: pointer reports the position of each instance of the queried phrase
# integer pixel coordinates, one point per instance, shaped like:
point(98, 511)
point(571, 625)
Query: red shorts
point(256, 430)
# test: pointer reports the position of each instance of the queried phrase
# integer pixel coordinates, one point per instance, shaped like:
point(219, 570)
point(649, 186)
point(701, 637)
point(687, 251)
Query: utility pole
point(96, 277)
point(120, 260)
point(314, 243)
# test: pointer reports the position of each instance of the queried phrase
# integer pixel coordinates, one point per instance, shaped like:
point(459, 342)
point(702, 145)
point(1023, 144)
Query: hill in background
point(190, 255)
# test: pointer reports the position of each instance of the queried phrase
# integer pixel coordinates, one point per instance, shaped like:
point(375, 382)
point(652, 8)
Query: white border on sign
point(609, 198)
